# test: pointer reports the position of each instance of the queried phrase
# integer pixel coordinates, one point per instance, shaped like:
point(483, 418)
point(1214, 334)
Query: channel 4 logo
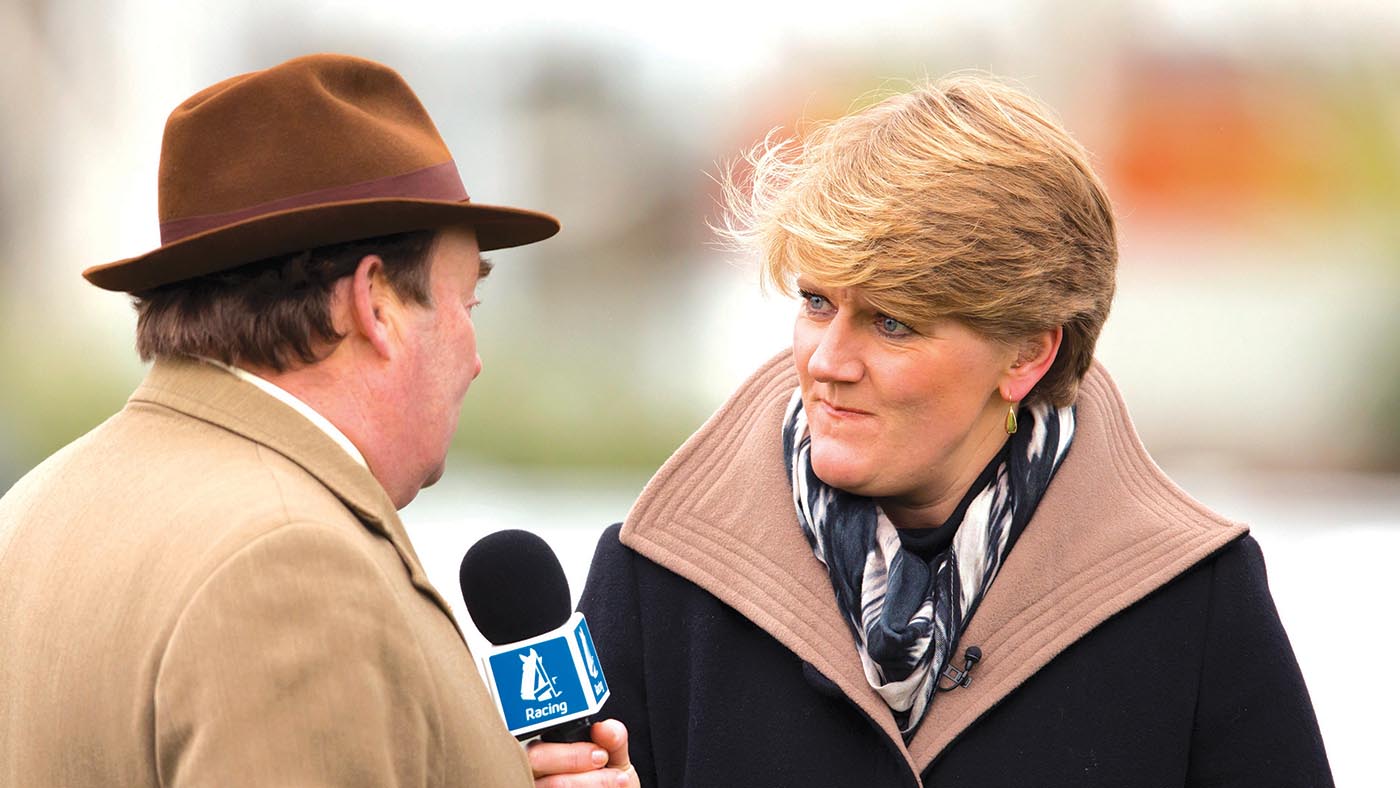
point(548, 679)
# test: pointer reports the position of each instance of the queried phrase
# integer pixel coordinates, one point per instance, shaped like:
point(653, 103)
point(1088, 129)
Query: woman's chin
point(842, 473)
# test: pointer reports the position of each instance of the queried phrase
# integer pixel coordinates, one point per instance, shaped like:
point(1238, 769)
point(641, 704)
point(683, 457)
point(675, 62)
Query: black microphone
point(542, 670)
point(960, 678)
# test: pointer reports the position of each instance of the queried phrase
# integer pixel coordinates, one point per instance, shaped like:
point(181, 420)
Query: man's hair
point(273, 313)
point(961, 199)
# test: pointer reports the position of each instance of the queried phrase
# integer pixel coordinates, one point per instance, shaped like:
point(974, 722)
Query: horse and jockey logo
point(586, 647)
point(535, 682)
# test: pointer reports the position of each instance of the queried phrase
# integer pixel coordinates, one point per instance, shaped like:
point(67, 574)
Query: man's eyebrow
point(483, 270)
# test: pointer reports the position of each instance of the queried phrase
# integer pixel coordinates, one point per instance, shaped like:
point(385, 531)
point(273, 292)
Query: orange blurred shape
point(1212, 141)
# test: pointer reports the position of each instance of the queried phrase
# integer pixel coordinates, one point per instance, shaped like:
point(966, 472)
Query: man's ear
point(374, 307)
point(1034, 355)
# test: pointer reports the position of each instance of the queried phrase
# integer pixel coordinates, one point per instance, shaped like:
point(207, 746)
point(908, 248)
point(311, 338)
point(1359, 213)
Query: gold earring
point(1011, 419)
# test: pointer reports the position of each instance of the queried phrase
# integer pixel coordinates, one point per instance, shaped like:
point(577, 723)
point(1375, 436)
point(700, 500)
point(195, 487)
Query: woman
point(939, 471)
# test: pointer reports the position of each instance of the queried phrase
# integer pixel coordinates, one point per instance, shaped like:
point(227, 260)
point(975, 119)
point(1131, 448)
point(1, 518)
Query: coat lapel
point(205, 392)
point(720, 514)
point(1110, 530)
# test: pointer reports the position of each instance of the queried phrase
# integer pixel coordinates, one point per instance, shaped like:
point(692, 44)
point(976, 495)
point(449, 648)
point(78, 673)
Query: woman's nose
point(836, 358)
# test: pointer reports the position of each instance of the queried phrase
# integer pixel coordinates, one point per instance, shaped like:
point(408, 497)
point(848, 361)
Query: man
point(213, 586)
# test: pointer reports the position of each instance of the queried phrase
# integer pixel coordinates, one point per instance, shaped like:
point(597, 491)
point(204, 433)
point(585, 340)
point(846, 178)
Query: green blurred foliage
point(53, 392)
point(556, 406)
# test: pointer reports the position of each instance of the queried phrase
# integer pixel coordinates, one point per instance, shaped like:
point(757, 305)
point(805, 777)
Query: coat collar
point(208, 393)
point(1110, 529)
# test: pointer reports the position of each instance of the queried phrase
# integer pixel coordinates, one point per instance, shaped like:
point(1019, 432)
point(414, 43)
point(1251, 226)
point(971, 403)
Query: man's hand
point(602, 763)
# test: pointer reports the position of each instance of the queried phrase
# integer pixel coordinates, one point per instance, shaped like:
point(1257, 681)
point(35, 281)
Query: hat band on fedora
point(437, 182)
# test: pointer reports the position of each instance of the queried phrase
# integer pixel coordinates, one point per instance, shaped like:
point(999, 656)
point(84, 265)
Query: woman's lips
point(839, 412)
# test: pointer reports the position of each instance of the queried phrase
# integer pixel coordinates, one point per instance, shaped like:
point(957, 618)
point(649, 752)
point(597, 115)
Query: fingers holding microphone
point(611, 735)
point(604, 762)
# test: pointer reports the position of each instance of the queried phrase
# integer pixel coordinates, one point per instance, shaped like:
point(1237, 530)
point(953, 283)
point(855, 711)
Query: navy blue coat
point(1129, 639)
point(1195, 685)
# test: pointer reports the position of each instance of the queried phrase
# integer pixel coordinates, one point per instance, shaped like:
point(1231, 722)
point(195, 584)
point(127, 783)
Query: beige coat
point(207, 590)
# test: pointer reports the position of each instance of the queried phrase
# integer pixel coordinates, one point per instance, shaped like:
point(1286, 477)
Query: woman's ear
point(374, 307)
point(1034, 355)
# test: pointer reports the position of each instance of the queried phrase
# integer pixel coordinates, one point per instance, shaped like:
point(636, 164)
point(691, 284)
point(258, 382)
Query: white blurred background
point(1252, 150)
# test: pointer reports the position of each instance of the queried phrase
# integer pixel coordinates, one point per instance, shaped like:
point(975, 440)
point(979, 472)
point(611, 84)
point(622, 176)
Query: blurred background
point(1252, 150)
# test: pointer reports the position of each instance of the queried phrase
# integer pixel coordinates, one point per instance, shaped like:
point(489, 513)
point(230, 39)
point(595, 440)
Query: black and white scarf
point(907, 614)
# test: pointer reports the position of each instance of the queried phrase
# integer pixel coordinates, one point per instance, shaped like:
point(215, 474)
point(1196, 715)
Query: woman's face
point(897, 413)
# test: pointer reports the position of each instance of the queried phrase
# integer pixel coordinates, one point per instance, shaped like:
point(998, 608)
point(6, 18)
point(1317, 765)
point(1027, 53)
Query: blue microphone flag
point(548, 679)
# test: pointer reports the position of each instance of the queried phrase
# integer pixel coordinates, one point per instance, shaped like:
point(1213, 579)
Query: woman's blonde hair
point(961, 199)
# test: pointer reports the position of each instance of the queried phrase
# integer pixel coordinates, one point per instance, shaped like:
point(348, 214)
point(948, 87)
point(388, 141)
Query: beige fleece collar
point(1110, 529)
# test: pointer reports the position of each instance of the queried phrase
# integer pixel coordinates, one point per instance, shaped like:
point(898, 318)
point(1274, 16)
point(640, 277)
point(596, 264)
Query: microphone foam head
point(514, 586)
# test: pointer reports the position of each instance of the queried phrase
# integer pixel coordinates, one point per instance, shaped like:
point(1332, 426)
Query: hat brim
point(230, 246)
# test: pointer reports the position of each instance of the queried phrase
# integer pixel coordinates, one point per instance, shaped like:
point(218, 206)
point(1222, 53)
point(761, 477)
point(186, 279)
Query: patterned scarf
point(907, 614)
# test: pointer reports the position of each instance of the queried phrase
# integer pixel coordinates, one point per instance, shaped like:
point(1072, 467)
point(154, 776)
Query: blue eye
point(893, 327)
point(814, 302)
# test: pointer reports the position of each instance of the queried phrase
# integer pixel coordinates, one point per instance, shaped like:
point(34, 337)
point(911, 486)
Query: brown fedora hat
point(319, 150)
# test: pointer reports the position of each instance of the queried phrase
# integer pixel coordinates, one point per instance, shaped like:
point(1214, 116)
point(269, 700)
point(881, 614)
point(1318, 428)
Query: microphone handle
point(568, 732)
